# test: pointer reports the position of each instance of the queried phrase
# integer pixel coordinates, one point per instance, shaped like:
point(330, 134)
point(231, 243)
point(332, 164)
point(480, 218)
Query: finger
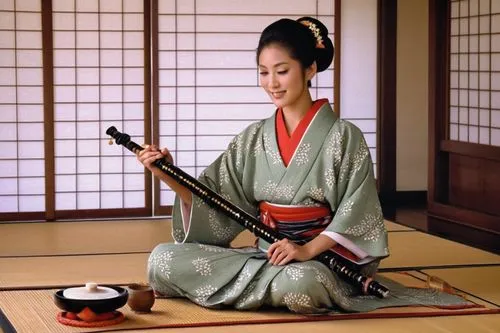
point(277, 255)
point(143, 151)
point(285, 260)
point(144, 155)
point(271, 249)
point(149, 161)
point(281, 258)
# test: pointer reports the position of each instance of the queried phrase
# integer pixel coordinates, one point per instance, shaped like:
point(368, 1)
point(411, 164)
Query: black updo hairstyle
point(306, 39)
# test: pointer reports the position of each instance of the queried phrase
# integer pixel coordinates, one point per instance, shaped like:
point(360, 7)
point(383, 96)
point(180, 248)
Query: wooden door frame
point(386, 105)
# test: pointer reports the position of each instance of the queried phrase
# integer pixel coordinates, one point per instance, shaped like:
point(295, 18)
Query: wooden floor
point(54, 246)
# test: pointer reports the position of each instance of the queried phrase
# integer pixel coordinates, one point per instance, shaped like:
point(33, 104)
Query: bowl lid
point(90, 291)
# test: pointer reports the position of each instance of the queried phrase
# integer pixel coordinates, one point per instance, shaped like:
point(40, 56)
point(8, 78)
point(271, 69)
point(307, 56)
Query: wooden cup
point(141, 297)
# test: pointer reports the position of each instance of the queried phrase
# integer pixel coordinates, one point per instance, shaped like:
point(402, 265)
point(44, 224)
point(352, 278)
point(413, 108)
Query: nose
point(273, 81)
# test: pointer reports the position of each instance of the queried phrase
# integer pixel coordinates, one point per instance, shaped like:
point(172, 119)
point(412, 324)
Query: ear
point(311, 71)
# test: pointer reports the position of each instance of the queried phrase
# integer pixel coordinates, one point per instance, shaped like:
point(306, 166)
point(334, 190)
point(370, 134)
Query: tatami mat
point(83, 237)
point(72, 270)
point(452, 324)
point(408, 249)
point(52, 242)
point(417, 249)
point(89, 237)
point(392, 226)
point(35, 311)
point(483, 282)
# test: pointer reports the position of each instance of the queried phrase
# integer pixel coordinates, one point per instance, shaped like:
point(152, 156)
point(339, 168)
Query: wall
point(412, 95)
point(358, 63)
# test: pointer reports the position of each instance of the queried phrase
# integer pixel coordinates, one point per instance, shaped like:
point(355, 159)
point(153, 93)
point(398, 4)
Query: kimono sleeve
point(204, 224)
point(358, 216)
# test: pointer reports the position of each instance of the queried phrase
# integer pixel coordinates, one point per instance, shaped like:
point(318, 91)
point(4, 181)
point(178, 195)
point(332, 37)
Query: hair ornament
point(316, 32)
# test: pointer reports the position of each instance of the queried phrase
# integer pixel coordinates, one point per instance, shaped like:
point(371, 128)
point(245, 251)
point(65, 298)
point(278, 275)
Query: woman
point(302, 171)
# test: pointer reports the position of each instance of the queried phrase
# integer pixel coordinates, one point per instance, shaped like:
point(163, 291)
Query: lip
point(277, 94)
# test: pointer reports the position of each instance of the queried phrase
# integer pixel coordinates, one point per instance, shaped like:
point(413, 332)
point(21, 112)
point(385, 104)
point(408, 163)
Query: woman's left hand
point(284, 251)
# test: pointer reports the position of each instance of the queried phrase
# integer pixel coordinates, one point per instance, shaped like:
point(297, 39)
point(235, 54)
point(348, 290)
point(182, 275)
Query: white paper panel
point(134, 182)
point(65, 201)
point(9, 132)
point(134, 199)
point(86, 165)
point(86, 58)
point(167, 197)
point(87, 147)
point(131, 166)
point(110, 6)
point(473, 134)
point(65, 165)
point(32, 203)
point(7, 58)
point(111, 165)
point(88, 200)
point(9, 168)
point(30, 150)
point(7, 95)
point(87, 5)
point(30, 131)
point(280, 7)
point(235, 111)
point(8, 186)
point(226, 41)
point(9, 150)
point(112, 182)
point(213, 142)
point(111, 200)
point(210, 77)
point(8, 203)
point(495, 137)
point(32, 185)
point(484, 135)
point(86, 183)
point(65, 183)
point(226, 60)
point(231, 95)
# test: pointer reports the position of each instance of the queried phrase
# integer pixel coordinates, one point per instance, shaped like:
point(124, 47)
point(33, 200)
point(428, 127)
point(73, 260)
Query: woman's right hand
point(151, 153)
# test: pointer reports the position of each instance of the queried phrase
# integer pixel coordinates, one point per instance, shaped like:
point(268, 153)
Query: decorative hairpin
point(316, 32)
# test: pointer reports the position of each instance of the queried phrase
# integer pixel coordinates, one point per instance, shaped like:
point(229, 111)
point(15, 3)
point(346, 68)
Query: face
point(282, 77)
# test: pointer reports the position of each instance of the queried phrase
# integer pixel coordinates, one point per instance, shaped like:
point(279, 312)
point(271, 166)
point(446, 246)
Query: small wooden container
point(141, 297)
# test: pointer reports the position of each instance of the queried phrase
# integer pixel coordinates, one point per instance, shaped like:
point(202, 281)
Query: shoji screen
point(99, 59)
point(208, 80)
point(475, 72)
point(358, 77)
point(22, 181)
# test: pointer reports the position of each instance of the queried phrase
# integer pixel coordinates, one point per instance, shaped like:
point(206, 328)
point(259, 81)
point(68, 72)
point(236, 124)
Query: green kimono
point(331, 166)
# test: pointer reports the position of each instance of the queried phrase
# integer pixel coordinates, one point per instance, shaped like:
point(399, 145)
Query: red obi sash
point(297, 223)
point(300, 224)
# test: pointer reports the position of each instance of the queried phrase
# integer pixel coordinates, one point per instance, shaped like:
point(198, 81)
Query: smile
point(278, 94)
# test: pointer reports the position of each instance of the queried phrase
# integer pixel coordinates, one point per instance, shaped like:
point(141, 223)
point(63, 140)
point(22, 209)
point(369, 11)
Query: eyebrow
point(278, 64)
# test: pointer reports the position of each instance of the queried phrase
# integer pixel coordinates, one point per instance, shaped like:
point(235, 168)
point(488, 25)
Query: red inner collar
point(288, 144)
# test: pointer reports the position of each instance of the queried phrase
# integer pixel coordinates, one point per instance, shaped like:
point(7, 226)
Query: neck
point(293, 114)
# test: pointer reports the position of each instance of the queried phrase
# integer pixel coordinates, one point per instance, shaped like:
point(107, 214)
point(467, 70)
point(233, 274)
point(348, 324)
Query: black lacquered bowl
point(96, 305)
